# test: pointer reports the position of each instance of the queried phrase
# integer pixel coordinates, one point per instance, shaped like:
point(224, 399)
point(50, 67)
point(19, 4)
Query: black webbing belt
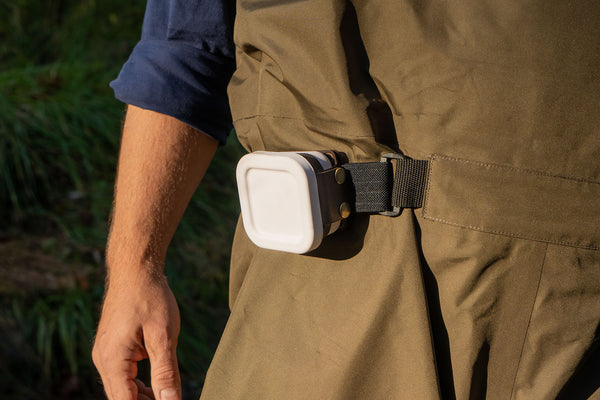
point(377, 189)
point(371, 187)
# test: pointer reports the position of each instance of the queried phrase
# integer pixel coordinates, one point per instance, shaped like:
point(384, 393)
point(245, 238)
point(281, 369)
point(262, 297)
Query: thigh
point(563, 328)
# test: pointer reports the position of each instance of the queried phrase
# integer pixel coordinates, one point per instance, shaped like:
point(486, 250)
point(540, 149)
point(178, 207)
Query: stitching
point(514, 169)
point(509, 234)
point(267, 115)
point(498, 232)
point(295, 119)
point(537, 290)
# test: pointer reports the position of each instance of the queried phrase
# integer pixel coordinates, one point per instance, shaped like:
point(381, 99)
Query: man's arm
point(161, 162)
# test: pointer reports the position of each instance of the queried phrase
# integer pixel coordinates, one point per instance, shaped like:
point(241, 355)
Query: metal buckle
point(387, 158)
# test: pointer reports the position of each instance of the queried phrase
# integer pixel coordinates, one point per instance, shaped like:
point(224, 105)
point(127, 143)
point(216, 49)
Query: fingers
point(138, 324)
point(144, 392)
point(166, 382)
point(117, 367)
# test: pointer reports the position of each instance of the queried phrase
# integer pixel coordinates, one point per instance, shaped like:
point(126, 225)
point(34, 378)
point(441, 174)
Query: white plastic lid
point(279, 200)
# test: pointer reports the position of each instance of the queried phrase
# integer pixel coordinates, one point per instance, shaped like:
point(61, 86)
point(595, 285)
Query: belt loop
point(410, 179)
point(387, 158)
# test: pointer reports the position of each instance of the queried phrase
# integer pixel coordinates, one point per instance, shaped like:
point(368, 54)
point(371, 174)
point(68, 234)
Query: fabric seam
point(492, 231)
point(511, 168)
point(290, 118)
point(537, 290)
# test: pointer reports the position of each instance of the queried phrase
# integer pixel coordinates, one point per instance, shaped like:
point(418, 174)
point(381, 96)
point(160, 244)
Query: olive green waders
point(492, 288)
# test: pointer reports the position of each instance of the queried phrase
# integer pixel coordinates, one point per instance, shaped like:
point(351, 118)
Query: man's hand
point(140, 319)
point(161, 162)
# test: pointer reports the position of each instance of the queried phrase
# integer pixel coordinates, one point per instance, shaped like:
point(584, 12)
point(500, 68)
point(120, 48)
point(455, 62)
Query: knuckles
point(99, 354)
point(165, 375)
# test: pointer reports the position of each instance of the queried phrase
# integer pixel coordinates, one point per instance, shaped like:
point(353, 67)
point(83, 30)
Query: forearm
point(161, 162)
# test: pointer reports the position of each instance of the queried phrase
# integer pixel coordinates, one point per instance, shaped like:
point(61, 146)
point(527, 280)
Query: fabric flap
point(514, 202)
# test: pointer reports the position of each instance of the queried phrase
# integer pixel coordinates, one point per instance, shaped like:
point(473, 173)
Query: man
point(490, 290)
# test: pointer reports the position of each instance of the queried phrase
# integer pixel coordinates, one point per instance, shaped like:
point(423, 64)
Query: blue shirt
point(183, 63)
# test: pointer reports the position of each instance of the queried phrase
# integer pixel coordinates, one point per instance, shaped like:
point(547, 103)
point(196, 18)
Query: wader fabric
point(492, 289)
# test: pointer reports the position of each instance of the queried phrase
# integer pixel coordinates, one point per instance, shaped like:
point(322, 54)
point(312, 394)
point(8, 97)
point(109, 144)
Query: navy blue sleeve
point(183, 63)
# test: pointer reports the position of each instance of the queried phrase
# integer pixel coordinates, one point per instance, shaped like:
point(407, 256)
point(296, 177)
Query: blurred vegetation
point(59, 134)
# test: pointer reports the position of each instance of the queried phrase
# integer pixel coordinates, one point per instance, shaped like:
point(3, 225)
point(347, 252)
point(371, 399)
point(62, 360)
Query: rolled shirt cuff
point(179, 80)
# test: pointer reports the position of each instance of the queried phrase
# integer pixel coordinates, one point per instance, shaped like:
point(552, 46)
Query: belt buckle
point(387, 158)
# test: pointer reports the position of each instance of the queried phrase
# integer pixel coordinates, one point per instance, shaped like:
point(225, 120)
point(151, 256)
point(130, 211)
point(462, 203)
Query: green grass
point(48, 344)
point(59, 134)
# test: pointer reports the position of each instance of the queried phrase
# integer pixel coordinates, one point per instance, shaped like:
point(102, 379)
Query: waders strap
point(377, 189)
